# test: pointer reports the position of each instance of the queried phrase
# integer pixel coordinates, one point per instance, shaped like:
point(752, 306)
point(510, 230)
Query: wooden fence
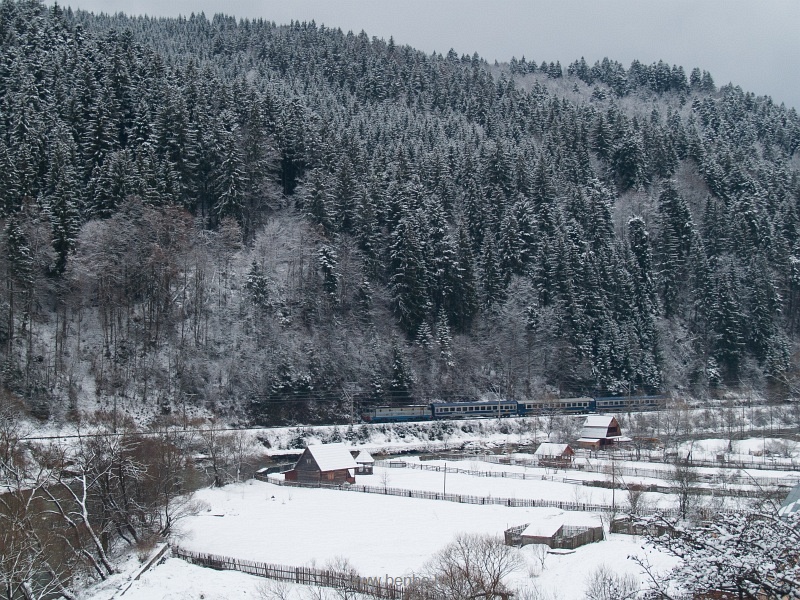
point(702, 512)
point(663, 489)
point(513, 535)
point(352, 582)
point(568, 537)
point(620, 471)
point(574, 537)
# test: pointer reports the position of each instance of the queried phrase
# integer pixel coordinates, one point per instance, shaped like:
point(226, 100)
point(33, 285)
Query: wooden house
point(324, 464)
point(599, 431)
point(559, 456)
point(365, 463)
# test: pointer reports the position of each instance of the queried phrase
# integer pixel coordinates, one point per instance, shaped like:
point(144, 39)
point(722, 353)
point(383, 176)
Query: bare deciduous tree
point(604, 584)
point(684, 478)
point(275, 590)
point(637, 501)
point(227, 453)
point(471, 566)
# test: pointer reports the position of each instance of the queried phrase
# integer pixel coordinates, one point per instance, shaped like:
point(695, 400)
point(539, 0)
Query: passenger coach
point(479, 408)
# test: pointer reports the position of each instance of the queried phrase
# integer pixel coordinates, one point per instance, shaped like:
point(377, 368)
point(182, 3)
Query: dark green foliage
point(408, 276)
point(675, 244)
point(431, 189)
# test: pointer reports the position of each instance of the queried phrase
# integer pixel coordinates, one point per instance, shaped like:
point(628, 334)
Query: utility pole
point(444, 487)
point(613, 486)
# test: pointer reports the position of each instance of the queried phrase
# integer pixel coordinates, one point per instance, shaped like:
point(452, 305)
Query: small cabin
point(559, 456)
point(365, 463)
point(599, 431)
point(324, 464)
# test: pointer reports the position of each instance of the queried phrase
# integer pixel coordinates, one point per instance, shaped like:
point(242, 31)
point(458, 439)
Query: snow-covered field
point(389, 535)
point(379, 535)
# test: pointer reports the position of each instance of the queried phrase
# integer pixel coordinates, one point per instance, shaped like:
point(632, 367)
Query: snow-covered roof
point(364, 457)
point(332, 457)
point(596, 426)
point(545, 528)
point(598, 421)
point(551, 449)
point(594, 433)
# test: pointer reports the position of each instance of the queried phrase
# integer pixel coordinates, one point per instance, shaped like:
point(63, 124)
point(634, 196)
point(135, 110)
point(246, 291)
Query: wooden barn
point(599, 431)
point(365, 463)
point(324, 464)
point(559, 456)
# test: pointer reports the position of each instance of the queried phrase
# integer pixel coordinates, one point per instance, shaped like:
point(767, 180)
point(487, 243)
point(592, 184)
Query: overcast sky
point(752, 43)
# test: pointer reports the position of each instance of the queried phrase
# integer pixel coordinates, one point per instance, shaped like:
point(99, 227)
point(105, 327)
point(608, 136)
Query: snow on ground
point(395, 536)
point(538, 489)
point(380, 535)
point(564, 577)
point(388, 535)
point(542, 473)
point(178, 580)
point(742, 450)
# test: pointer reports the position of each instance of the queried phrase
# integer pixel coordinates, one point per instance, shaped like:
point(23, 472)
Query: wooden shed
point(324, 464)
point(599, 431)
point(553, 532)
point(544, 532)
point(365, 463)
point(559, 456)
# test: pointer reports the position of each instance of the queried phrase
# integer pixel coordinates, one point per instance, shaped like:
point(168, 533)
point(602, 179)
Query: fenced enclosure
point(734, 478)
point(331, 578)
point(702, 512)
point(567, 538)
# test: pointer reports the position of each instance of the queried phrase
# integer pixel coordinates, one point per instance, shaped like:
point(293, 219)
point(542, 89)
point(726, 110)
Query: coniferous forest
point(285, 223)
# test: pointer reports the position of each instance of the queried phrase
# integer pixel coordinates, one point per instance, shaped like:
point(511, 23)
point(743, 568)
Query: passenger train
point(510, 408)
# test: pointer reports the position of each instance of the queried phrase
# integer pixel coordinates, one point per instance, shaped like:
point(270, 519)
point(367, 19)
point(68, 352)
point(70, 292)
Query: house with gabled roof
point(365, 462)
point(600, 431)
point(550, 454)
point(324, 464)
